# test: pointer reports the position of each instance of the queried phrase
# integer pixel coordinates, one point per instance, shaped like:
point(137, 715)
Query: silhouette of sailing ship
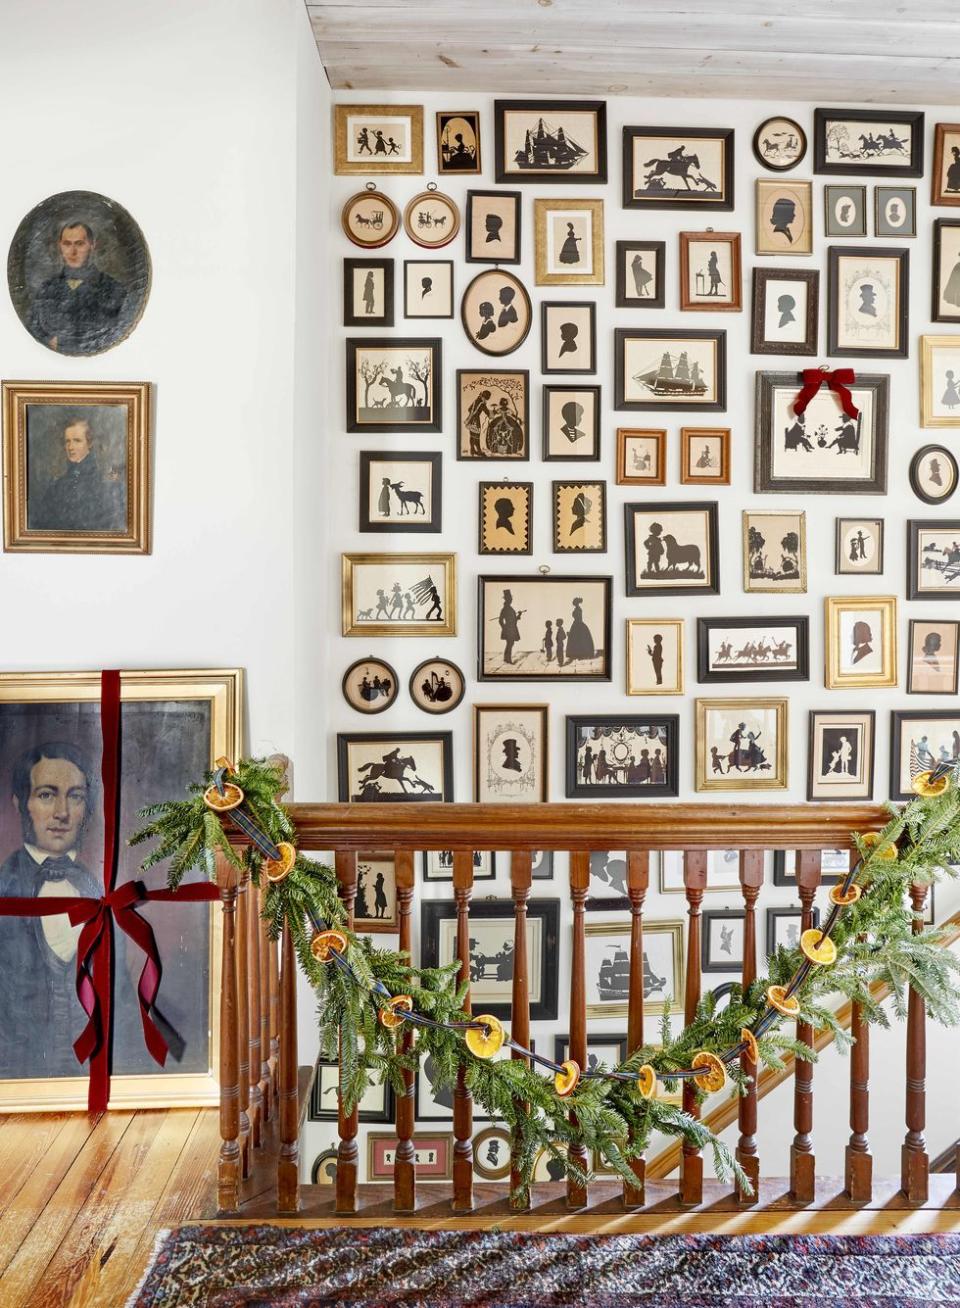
point(613, 982)
point(673, 377)
point(549, 148)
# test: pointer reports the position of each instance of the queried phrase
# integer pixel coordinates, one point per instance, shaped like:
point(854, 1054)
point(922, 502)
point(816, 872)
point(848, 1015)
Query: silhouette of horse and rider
point(677, 164)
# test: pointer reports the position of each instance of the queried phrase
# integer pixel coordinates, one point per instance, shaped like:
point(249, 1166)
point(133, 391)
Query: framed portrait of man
point(173, 724)
point(79, 273)
point(76, 465)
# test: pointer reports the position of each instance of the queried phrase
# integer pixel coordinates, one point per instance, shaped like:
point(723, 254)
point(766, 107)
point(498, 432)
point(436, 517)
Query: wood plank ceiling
point(831, 51)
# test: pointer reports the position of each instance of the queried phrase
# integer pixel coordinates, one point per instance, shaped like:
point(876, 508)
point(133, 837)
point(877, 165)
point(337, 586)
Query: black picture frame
point(318, 1113)
point(507, 582)
point(623, 299)
point(561, 1045)
point(524, 303)
point(711, 584)
point(386, 667)
point(911, 677)
point(573, 389)
point(939, 226)
point(622, 335)
point(523, 377)
point(813, 717)
point(725, 198)
point(550, 177)
point(350, 317)
point(542, 869)
point(496, 257)
point(887, 119)
point(443, 738)
point(670, 787)
point(801, 625)
point(914, 527)
point(707, 962)
point(405, 522)
point(758, 342)
point(545, 307)
point(774, 914)
point(902, 256)
point(446, 117)
point(763, 159)
point(782, 878)
point(432, 878)
point(435, 911)
point(427, 317)
point(434, 425)
point(431, 1105)
point(915, 484)
point(763, 478)
point(897, 719)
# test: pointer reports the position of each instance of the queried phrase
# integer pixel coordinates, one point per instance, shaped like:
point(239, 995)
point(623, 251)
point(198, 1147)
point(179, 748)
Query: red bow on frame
point(839, 380)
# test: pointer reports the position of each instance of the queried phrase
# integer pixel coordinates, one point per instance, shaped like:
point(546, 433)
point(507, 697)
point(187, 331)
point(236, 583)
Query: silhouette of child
point(561, 642)
point(488, 325)
point(569, 331)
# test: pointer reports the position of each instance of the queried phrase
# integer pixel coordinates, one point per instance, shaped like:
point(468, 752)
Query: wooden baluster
point(462, 1098)
point(803, 1165)
point(520, 881)
point(253, 1020)
point(638, 879)
point(288, 1103)
point(695, 883)
point(751, 880)
point(347, 1153)
point(914, 1162)
point(228, 1171)
point(579, 885)
point(273, 955)
point(266, 1072)
point(858, 1163)
point(404, 1169)
point(243, 1023)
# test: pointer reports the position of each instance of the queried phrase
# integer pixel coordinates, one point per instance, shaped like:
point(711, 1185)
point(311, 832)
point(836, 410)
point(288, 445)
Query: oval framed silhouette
point(933, 474)
point(78, 271)
point(370, 685)
point(496, 312)
point(437, 685)
point(370, 218)
point(779, 144)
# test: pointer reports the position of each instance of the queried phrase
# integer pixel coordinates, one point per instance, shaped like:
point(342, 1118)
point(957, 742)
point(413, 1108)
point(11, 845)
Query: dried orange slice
point(924, 785)
point(390, 1013)
point(818, 948)
point(714, 1075)
point(750, 1040)
point(278, 869)
point(325, 944)
point(647, 1081)
point(565, 1081)
point(485, 1041)
point(887, 852)
point(844, 898)
point(225, 763)
point(232, 797)
point(777, 998)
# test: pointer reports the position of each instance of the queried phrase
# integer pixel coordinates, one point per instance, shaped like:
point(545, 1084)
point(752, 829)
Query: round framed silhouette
point(496, 312)
point(431, 219)
point(370, 218)
point(78, 272)
point(779, 144)
point(491, 1153)
point(324, 1169)
point(437, 685)
point(370, 685)
point(933, 474)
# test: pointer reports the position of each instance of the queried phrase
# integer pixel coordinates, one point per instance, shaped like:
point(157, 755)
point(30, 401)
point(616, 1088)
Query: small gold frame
point(541, 212)
point(341, 115)
point(637, 623)
point(927, 346)
point(804, 188)
point(447, 626)
point(752, 587)
point(673, 927)
point(777, 781)
point(834, 605)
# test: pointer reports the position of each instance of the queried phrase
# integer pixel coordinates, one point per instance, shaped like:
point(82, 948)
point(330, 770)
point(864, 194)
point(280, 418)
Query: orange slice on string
point(485, 1040)
point(750, 1040)
point(390, 1013)
point(887, 852)
point(232, 797)
point(565, 1081)
point(714, 1074)
point(818, 948)
point(777, 998)
point(225, 763)
point(278, 869)
point(647, 1081)
point(844, 898)
point(325, 944)
point(924, 785)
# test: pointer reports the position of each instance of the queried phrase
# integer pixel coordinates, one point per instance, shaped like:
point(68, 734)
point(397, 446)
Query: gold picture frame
point(219, 693)
point(752, 747)
point(673, 928)
point(783, 216)
point(94, 434)
point(932, 385)
point(357, 155)
point(876, 671)
point(669, 685)
point(367, 600)
point(758, 576)
point(551, 260)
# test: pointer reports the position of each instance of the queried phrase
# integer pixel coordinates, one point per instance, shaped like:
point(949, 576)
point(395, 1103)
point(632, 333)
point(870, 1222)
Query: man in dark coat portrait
point(76, 311)
point(81, 499)
point(40, 1015)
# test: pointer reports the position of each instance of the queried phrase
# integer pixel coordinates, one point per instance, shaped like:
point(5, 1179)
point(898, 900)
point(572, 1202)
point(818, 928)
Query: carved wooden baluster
point(273, 955)
point(462, 1098)
point(228, 1171)
point(347, 1153)
point(914, 1162)
point(638, 879)
point(266, 1072)
point(252, 946)
point(803, 1165)
point(694, 882)
point(404, 1170)
point(579, 885)
point(751, 880)
point(520, 880)
point(243, 1022)
point(858, 1163)
point(288, 1105)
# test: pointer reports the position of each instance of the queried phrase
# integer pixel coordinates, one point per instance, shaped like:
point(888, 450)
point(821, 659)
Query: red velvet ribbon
point(839, 381)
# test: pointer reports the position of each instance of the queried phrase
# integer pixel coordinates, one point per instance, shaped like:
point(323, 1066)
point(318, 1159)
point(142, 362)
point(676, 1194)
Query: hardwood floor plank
point(24, 1140)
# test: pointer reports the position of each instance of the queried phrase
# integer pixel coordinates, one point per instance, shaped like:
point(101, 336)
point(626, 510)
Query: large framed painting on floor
point(173, 725)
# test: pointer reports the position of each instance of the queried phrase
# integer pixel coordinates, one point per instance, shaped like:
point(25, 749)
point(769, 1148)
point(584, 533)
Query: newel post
point(579, 885)
point(462, 1098)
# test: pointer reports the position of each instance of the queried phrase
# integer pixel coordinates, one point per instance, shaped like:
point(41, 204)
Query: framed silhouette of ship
point(547, 140)
point(608, 967)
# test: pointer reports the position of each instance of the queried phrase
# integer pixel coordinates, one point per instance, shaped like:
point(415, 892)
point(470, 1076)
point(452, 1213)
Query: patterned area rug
point(279, 1267)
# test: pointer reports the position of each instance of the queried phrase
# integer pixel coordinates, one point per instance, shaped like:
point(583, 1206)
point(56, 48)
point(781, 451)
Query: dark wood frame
point(894, 236)
point(573, 388)
point(447, 708)
point(711, 584)
point(525, 297)
point(346, 738)
point(763, 480)
point(474, 116)
point(723, 204)
point(844, 232)
point(789, 911)
point(317, 1113)
point(902, 257)
point(544, 711)
point(688, 239)
point(914, 526)
point(838, 572)
point(597, 107)
point(659, 435)
point(937, 195)
point(897, 717)
point(505, 484)
point(513, 578)
point(914, 481)
point(435, 911)
point(800, 622)
point(719, 915)
point(545, 307)
point(579, 790)
point(434, 344)
point(510, 372)
point(469, 256)
point(938, 225)
point(953, 622)
point(850, 168)
point(780, 877)
point(574, 549)
point(758, 343)
point(389, 207)
point(688, 434)
point(430, 879)
point(625, 301)
point(351, 319)
point(427, 317)
point(812, 716)
point(435, 459)
point(623, 334)
point(372, 658)
point(324, 1156)
point(763, 161)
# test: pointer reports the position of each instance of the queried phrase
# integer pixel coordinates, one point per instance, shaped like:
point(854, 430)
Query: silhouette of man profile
point(783, 216)
point(511, 756)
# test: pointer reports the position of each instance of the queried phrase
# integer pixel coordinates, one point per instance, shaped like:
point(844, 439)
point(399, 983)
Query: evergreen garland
point(875, 940)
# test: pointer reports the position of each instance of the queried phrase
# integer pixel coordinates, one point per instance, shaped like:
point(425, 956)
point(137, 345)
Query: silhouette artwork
point(839, 753)
point(951, 396)
point(570, 250)
point(868, 300)
point(677, 173)
point(641, 278)
point(569, 331)
point(757, 648)
point(674, 377)
point(395, 776)
point(862, 641)
point(783, 216)
point(762, 561)
point(630, 754)
point(579, 512)
point(511, 755)
point(785, 307)
point(492, 225)
point(548, 148)
point(666, 557)
point(392, 384)
point(369, 293)
point(655, 654)
point(572, 415)
point(613, 978)
point(504, 508)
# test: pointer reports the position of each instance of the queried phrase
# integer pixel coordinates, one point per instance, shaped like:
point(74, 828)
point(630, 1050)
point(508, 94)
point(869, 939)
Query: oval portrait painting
point(79, 273)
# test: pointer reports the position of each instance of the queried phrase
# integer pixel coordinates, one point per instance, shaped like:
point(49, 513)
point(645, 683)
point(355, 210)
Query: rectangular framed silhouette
point(579, 517)
point(868, 302)
point(721, 942)
point(617, 756)
point(493, 228)
point(919, 740)
point(840, 753)
point(655, 368)
point(394, 384)
point(506, 517)
point(932, 656)
point(640, 274)
point(368, 292)
point(774, 552)
point(860, 641)
point(704, 456)
point(655, 656)
point(673, 548)
point(933, 558)
point(678, 168)
point(710, 272)
point(641, 456)
point(544, 628)
point(756, 729)
point(511, 759)
point(868, 142)
point(786, 311)
point(550, 141)
point(395, 767)
point(401, 492)
point(493, 414)
point(859, 547)
point(765, 648)
point(571, 424)
point(458, 142)
point(608, 967)
point(398, 594)
point(378, 138)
